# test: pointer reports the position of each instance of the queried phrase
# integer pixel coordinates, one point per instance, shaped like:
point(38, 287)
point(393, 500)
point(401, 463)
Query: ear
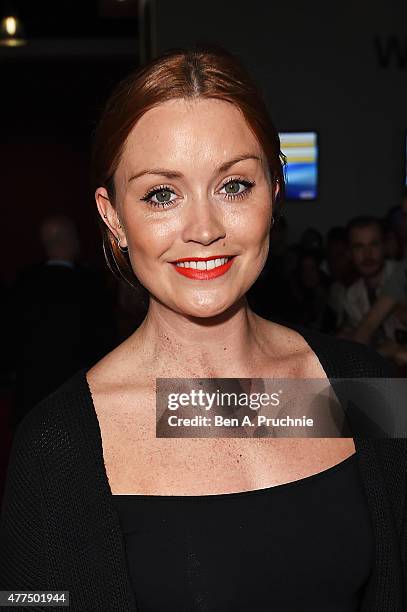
point(109, 214)
point(276, 189)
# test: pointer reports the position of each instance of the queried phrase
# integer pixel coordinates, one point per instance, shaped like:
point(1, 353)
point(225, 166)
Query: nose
point(202, 222)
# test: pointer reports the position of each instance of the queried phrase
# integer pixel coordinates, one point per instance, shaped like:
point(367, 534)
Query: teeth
point(204, 265)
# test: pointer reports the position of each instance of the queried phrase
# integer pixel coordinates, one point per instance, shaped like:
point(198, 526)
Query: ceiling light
point(11, 32)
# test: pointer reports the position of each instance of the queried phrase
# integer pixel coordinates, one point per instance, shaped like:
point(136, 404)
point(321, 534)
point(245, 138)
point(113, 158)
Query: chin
point(206, 310)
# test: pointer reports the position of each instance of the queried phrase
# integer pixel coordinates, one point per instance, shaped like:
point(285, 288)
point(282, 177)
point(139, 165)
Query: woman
point(187, 167)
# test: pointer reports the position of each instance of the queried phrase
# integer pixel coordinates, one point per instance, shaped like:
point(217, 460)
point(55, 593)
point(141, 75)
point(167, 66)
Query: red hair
point(204, 71)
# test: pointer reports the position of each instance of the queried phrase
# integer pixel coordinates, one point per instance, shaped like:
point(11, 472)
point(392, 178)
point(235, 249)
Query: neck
point(174, 342)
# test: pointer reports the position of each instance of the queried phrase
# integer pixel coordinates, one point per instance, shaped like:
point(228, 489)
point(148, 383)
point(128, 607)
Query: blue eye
point(161, 192)
point(238, 194)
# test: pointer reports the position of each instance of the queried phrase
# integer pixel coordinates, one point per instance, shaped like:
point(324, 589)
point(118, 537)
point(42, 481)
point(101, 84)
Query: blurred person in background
point(310, 295)
point(391, 302)
point(392, 246)
point(366, 245)
point(63, 317)
point(393, 297)
point(339, 267)
point(311, 241)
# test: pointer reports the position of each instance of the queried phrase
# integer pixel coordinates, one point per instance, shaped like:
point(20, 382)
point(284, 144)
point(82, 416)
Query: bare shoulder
point(292, 351)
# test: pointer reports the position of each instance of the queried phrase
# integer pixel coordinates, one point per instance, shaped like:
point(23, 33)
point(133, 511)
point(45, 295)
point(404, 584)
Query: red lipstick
point(203, 274)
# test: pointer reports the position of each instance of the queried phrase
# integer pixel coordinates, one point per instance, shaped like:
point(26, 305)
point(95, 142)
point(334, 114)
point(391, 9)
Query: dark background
point(52, 92)
point(338, 68)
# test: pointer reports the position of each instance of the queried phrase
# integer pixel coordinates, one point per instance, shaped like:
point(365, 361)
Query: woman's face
point(182, 194)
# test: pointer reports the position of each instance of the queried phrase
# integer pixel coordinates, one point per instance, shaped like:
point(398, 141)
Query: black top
point(59, 529)
point(305, 545)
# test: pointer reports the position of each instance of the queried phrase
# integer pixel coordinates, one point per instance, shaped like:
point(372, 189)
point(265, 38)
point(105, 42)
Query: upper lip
point(200, 258)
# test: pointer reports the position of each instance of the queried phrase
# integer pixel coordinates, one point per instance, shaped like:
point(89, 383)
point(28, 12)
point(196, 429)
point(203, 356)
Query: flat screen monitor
point(301, 151)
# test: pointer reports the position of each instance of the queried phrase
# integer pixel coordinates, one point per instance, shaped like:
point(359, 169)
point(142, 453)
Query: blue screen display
point(301, 151)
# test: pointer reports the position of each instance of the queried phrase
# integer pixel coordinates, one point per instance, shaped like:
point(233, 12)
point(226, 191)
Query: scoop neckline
point(122, 497)
point(326, 365)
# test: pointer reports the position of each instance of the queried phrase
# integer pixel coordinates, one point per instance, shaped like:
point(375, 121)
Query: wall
point(49, 110)
point(322, 66)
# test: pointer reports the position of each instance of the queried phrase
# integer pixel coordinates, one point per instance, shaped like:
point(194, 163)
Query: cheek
point(254, 224)
point(147, 243)
point(150, 238)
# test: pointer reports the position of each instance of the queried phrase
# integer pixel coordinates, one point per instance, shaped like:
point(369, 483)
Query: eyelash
point(248, 184)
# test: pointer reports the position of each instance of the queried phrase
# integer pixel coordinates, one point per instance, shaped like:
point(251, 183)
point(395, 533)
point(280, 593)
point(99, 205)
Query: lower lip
point(204, 274)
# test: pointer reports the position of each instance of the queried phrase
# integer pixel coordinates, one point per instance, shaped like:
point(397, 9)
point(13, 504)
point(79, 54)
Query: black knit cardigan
point(59, 529)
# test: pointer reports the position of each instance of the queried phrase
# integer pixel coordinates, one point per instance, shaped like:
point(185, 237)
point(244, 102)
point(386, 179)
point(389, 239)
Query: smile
point(203, 269)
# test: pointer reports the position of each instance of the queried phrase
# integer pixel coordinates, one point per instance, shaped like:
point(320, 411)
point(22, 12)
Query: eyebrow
point(171, 174)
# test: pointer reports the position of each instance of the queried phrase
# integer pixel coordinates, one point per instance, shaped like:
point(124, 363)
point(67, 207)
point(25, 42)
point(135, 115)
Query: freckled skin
point(198, 137)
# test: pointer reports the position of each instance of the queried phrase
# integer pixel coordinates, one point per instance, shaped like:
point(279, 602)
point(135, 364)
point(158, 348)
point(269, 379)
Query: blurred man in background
point(339, 267)
point(63, 317)
point(367, 250)
point(392, 299)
